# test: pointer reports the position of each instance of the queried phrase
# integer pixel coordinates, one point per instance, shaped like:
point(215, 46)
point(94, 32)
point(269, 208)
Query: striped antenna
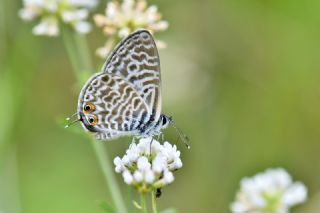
point(71, 123)
point(184, 138)
point(69, 118)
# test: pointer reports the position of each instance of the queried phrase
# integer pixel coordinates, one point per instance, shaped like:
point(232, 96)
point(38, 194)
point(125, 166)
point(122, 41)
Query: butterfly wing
point(118, 108)
point(136, 59)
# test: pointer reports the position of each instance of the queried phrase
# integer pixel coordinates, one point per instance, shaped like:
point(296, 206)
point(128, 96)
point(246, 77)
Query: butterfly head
point(88, 117)
point(165, 121)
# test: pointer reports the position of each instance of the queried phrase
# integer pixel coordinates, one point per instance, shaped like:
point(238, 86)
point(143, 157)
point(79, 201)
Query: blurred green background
point(241, 78)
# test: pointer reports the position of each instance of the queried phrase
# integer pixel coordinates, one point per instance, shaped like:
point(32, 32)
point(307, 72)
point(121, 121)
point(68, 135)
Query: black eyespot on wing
point(89, 107)
point(86, 123)
point(92, 120)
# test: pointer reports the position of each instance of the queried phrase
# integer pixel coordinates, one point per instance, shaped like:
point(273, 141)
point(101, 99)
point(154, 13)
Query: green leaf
point(170, 210)
point(107, 208)
point(136, 204)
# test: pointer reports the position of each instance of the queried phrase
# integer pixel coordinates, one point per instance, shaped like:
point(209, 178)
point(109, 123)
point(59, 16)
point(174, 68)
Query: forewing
point(119, 108)
point(136, 59)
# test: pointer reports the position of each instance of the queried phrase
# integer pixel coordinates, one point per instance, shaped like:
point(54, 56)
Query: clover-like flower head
point(52, 12)
point(148, 165)
point(121, 19)
point(270, 191)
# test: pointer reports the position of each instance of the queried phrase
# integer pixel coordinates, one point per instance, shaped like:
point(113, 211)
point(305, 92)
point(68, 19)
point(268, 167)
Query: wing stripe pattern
point(136, 59)
point(127, 94)
point(121, 109)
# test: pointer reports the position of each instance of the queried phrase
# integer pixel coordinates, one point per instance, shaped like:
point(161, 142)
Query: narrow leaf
point(137, 205)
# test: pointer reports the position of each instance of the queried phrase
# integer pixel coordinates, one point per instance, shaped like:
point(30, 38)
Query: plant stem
point(154, 201)
point(83, 66)
point(3, 37)
point(143, 202)
point(84, 52)
point(71, 51)
point(129, 200)
point(105, 165)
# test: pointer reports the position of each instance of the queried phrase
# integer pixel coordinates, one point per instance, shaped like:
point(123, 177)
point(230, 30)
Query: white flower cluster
point(122, 19)
point(149, 166)
point(51, 12)
point(269, 192)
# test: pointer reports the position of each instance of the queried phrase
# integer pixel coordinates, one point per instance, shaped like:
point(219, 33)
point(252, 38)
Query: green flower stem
point(84, 52)
point(71, 51)
point(108, 173)
point(77, 51)
point(3, 20)
point(154, 201)
point(143, 202)
point(129, 200)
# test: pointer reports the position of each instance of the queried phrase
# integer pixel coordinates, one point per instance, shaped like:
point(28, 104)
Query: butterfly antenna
point(182, 136)
point(69, 118)
point(71, 123)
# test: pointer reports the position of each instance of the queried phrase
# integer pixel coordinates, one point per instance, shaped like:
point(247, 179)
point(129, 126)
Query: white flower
point(122, 19)
point(138, 176)
point(143, 164)
point(149, 176)
point(82, 27)
point(297, 193)
point(52, 12)
point(149, 165)
point(168, 177)
point(127, 177)
point(48, 26)
point(119, 165)
point(271, 191)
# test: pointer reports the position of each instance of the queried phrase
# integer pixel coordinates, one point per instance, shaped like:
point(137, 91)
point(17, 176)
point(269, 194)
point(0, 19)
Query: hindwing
point(119, 108)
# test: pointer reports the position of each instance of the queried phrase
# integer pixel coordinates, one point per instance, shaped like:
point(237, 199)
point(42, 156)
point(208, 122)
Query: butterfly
point(124, 99)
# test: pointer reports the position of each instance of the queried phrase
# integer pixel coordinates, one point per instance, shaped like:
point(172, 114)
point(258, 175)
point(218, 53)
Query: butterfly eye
point(92, 120)
point(88, 107)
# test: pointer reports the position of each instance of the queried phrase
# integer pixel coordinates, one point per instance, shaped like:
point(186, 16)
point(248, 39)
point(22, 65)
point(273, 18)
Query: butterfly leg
point(132, 142)
point(160, 137)
point(150, 145)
